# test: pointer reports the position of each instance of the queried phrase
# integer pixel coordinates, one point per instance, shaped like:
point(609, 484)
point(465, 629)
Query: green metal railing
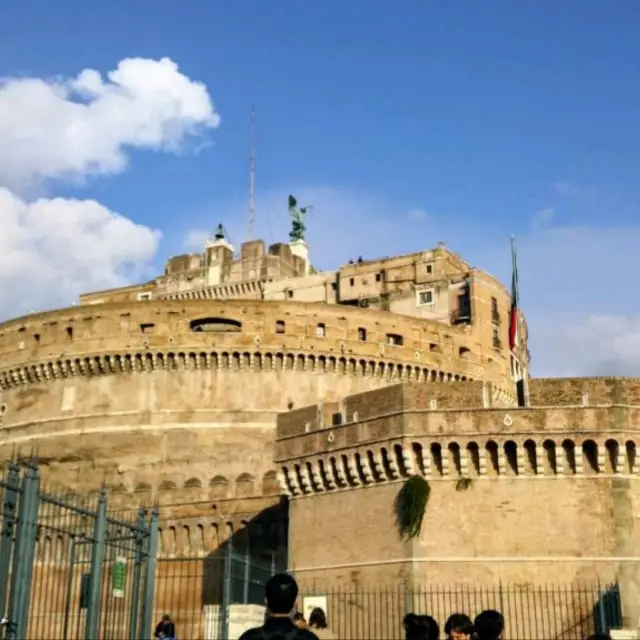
point(70, 571)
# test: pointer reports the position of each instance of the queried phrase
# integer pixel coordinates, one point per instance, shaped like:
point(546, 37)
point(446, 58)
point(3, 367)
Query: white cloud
point(542, 218)
point(77, 127)
point(69, 129)
point(52, 249)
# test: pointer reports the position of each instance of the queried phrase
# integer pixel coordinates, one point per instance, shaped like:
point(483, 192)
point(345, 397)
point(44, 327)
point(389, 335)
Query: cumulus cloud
point(70, 129)
point(83, 126)
point(51, 249)
point(576, 282)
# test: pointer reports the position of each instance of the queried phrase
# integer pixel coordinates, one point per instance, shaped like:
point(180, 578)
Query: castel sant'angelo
point(238, 385)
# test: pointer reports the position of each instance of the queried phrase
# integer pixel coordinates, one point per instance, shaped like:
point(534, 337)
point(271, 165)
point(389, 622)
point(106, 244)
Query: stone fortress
point(231, 381)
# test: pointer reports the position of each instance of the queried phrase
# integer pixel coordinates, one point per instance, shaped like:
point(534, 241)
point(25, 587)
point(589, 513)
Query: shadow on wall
point(197, 591)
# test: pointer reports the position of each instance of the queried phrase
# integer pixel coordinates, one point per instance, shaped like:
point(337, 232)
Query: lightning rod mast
point(252, 173)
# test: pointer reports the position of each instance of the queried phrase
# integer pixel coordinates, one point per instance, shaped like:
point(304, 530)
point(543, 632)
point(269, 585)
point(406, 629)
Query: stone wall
point(584, 391)
point(520, 495)
point(177, 400)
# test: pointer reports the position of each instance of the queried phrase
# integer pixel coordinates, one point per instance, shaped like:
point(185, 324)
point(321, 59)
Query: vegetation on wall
point(410, 506)
point(463, 484)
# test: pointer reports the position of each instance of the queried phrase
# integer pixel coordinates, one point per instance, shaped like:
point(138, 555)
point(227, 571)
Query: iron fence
point(201, 594)
point(69, 571)
point(549, 612)
point(218, 596)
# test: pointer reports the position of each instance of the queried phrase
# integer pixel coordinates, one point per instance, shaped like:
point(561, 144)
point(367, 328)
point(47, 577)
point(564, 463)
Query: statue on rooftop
point(219, 233)
point(297, 219)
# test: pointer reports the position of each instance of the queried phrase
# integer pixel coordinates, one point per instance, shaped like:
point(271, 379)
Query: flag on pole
point(514, 338)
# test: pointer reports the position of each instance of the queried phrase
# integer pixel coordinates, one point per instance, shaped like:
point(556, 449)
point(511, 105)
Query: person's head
point(166, 618)
point(432, 626)
point(489, 625)
point(299, 621)
point(420, 627)
point(458, 627)
point(281, 592)
point(317, 619)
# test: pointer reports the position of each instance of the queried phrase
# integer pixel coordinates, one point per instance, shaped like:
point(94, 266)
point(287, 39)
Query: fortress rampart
point(177, 401)
point(525, 495)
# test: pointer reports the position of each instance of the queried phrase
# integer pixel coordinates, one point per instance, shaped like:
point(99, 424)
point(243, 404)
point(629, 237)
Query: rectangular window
point(425, 297)
point(362, 334)
point(147, 327)
point(495, 314)
point(429, 268)
point(280, 326)
point(336, 419)
point(144, 296)
point(351, 281)
point(394, 339)
point(378, 277)
point(320, 330)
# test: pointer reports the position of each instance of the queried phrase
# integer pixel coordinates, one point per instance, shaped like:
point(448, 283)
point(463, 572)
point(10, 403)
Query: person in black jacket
point(281, 592)
point(165, 630)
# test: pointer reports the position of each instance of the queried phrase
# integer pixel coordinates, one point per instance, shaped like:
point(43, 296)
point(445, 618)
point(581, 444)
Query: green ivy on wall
point(410, 506)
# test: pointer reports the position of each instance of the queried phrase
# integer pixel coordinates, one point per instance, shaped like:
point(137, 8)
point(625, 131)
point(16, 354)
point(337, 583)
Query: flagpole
point(524, 369)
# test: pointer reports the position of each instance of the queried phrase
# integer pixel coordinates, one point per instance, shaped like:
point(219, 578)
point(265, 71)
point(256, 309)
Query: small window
point(70, 333)
point(362, 334)
point(425, 297)
point(289, 293)
point(36, 337)
point(214, 325)
point(320, 330)
point(147, 327)
point(394, 339)
point(352, 281)
point(336, 419)
point(144, 296)
point(334, 286)
point(429, 268)
point(378, 277)
point(280, 326)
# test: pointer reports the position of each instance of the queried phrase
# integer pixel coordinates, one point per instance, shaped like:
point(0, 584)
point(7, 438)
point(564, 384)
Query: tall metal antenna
point(252, 173)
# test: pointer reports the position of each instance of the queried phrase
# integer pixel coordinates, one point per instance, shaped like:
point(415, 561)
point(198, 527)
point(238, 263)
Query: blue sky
point(403, 123)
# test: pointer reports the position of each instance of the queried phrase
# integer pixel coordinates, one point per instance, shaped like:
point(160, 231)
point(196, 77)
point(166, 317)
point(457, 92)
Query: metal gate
point(68, 570)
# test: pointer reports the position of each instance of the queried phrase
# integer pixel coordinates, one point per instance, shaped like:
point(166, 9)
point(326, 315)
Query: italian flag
point(514, 342)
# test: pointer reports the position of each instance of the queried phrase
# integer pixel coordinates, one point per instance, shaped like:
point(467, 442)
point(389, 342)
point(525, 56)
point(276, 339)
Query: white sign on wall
point(309, 603)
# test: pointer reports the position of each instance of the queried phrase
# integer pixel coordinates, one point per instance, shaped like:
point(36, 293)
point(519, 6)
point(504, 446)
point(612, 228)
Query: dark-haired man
point(281, 592)
point(489, 625)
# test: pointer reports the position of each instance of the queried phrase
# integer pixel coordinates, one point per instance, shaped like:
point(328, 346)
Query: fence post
point(31, 535)
point(149, 577)
point(69, 594)
point(11, 494)
point(97, 560)
point(22, 558)
point(602, 616)
point(226, 592)
point(134, 606)
point(247, 574)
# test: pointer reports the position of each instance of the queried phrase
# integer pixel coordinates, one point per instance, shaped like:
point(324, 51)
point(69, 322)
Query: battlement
point(387, 434)
point(239, 334)
point(584, 391)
